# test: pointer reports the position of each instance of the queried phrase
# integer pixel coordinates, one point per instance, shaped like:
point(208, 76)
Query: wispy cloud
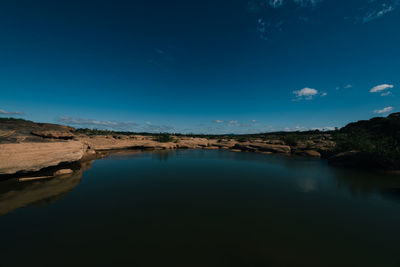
point(268, 26)
point(231, 122)
point(159, 51)
point(152, 128)
point(384, 110)
point(162, 57)
point(380, 8)
point(305, 93)
point(348, 86)
point(305, 3)
point(264, 29)
point(91, 123)
point(386, 93)
point(380, 88)
point(274, 15)
point(3, 112)
point(275, 3)
point(233, 126)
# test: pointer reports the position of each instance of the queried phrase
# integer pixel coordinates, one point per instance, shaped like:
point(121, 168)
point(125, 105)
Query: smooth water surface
point(202, 208)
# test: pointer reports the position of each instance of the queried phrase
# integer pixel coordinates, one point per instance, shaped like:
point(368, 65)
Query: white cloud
point(114, 125)
point(306, 93)
point(233, 122)
point(384, 110)
point(218, 121)
point(380, 88)
point(3, 112)
point(324, 94)
point(386, 93)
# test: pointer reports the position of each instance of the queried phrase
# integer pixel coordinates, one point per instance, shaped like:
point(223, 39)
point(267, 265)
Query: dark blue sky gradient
point(181, 65)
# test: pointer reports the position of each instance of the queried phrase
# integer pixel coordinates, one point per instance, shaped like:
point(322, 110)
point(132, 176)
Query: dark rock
point(308, 153)
point(53, 134)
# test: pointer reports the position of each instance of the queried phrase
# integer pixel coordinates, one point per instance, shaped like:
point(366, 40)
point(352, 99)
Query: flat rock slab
point(27, 157)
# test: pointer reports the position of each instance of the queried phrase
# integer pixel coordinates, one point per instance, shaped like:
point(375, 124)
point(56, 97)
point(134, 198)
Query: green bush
point(292, 139)
point(163, 138)
point(243, 139)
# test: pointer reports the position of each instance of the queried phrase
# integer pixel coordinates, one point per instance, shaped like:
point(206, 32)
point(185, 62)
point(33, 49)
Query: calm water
point(202, 208)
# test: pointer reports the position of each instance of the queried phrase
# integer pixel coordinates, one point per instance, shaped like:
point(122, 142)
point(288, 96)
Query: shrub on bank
point(163, 138)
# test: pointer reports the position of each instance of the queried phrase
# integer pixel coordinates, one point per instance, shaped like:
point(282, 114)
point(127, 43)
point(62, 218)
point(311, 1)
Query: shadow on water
point(363, 183)
point(15, 194)
point(309, 171)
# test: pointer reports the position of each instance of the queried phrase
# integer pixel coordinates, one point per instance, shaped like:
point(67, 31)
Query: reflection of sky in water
point(307, 185)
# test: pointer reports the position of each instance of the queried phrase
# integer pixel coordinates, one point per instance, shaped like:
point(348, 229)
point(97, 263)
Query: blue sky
point(221, 66)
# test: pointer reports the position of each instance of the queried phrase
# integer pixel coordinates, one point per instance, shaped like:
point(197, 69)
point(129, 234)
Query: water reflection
point(204, 208)
point(307, 185)
point(15, 194)
point(162, 155)
point(309, 175)
point(362, 183)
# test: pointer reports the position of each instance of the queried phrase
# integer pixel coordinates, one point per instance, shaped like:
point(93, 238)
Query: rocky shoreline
point(27, 147)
